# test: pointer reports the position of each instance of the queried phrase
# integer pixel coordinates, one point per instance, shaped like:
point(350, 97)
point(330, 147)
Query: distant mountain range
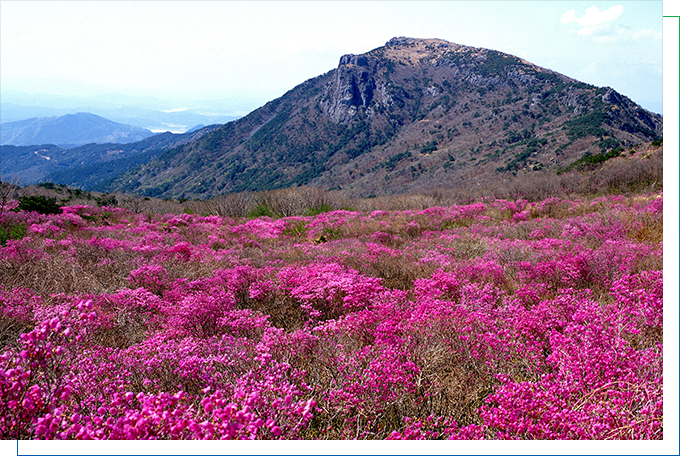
point(88, 165)
point(413, 115)
point(144, 112)
point(70, 130)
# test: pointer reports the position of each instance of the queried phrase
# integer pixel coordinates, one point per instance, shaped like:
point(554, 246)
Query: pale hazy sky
point(258, 50)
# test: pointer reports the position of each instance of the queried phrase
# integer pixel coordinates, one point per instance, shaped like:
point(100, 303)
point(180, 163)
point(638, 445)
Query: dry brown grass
point(10, 330)
point(396, 272)
point(646, 228)
point(54, 274)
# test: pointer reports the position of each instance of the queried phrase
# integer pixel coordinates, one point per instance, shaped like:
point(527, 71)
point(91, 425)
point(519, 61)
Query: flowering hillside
point(495, 320)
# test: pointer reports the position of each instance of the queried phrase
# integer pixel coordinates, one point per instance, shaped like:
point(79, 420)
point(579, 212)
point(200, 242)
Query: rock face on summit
point(351, 88)
point(410, 115)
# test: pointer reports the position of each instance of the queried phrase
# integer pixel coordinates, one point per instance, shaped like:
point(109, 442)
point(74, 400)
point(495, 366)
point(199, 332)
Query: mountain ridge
point(145, 112)
point(410, 115)
point(69, 130)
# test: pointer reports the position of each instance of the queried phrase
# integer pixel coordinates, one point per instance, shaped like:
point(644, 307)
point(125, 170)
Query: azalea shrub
point(493, 320)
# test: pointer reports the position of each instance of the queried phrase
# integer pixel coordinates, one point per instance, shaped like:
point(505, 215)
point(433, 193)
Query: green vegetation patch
point(532, 145)
point(588, 125)
point(391, 162)
point(428, 148)
point(497, 62)
point(261, 210)
point(590, 160)
point(316, 210)
point(40, 204)
point(14, 232)
point(296, 229)
point(607, 144)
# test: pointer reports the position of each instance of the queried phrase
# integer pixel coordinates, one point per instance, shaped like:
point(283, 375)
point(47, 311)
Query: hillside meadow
point(499, 319)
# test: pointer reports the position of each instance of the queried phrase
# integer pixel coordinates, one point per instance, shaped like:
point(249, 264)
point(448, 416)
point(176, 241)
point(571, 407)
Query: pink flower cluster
point(495, 320)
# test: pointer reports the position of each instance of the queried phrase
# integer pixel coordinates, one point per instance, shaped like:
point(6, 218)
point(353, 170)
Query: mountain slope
point(69, 131)
point(97, 172)
point(411, 115)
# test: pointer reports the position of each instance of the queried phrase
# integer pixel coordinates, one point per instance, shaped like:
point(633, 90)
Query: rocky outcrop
point(630, 117)
point(352, 87)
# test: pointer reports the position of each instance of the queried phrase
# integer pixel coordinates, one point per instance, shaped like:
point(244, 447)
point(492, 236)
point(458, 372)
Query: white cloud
point(593, 19)
point(594, 16)
point(600, 25)
point(586, 30)
point(568, 17)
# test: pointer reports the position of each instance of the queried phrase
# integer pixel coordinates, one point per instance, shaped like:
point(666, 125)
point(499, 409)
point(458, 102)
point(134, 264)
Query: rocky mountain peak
point(414, 50)
point(357, 79)
point(412, 114)
point(355, 60)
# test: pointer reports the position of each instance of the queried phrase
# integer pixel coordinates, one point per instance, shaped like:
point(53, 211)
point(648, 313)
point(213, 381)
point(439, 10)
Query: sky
point(256, 51)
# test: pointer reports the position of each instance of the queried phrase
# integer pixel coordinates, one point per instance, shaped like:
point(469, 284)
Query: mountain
point(154, 114)
point(412, 115)
point(197, 127)
point(69, 131)
point(151, 119)
point(86, 166)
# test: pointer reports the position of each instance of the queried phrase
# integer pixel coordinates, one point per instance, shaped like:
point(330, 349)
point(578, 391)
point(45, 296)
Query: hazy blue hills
point(86, 165)
point(153, 114)
point(69, 131)
point(196, 128)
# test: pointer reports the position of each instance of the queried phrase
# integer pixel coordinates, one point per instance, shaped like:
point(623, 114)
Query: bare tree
point(132, 203)
point(231, 204)
point(7, 190)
